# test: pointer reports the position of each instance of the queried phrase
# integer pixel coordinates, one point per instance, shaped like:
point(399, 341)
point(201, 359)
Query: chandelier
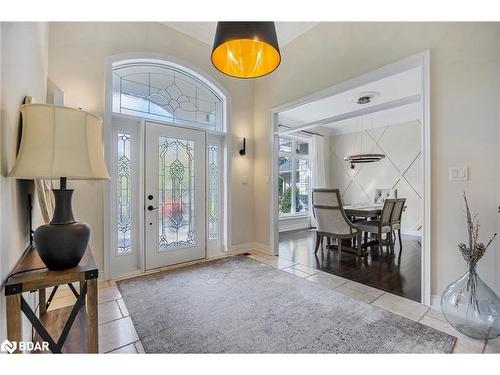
point(361, 158)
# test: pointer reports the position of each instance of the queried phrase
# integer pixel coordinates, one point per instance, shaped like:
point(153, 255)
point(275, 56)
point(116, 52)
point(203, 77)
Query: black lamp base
point(62, 243)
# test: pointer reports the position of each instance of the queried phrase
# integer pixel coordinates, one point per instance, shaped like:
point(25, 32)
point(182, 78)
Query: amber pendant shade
point(246, 49)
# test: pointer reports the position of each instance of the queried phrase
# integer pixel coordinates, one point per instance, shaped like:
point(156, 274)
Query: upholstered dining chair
point(382, 194)
point(332, 222)
point(381, 225)
point(397, 213)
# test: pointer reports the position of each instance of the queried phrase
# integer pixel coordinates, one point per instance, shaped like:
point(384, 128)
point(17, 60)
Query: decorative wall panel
point(401, 169)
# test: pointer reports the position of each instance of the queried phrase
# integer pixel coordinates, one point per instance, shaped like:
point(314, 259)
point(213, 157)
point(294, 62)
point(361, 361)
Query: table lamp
point(60, 143)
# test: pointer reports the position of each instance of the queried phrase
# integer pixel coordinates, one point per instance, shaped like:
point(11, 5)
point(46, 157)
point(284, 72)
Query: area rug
point(239, 305)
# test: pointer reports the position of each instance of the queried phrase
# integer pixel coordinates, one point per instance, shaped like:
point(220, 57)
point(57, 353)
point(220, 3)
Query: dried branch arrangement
point(473, 253)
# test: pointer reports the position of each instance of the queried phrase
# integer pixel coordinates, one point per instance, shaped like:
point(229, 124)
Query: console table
point(71, 329)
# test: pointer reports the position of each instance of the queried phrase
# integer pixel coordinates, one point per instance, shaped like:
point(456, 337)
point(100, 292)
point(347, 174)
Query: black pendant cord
point(62, 183)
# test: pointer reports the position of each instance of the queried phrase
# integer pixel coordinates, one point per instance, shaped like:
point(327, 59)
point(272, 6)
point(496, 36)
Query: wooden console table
point(71, 329)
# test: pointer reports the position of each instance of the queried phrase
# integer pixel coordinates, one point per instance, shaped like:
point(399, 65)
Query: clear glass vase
point(472, 307)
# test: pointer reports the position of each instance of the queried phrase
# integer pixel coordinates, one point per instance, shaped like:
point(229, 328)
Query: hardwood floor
point(397, 273)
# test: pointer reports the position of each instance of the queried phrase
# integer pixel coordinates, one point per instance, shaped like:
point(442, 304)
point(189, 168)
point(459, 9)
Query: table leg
point(42, 301)
point(82, 283)
point(14, 319)
point(93, 337)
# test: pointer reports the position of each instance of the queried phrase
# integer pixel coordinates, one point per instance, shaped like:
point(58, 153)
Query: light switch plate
point(244, 180)
point(459, 174)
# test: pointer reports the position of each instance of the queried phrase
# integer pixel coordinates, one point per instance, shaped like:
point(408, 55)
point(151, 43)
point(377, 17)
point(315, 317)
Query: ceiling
point(398, 86)
point(205, 31)
point(394, 116)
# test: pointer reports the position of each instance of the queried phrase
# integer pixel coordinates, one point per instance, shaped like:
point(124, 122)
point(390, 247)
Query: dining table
point(364, 211)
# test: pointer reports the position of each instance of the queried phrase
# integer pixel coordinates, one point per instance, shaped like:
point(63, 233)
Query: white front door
point(174, 195)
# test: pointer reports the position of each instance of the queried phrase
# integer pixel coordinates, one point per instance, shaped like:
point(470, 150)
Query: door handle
point(151, 208)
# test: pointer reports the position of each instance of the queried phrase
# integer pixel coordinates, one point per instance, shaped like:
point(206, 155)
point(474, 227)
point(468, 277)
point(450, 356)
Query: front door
point(175, 164)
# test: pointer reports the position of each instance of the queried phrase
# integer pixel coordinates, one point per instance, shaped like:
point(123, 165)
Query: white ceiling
point(391, 88)
point(394, 116)
point(205, 31)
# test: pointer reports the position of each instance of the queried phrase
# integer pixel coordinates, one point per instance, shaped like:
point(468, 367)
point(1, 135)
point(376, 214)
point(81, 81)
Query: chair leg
point(328, 242)
point(391, 241)
point(318, 241)
point(378, 237)
point(400, 242)
point(366, 240)
point(360, 252)
point(339, 247)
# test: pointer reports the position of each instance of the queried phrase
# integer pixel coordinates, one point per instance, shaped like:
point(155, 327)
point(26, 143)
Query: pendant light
point(246, 49)
point(361, 158)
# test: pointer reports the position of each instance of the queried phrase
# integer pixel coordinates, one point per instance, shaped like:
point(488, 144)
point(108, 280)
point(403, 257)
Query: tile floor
point(118, 335)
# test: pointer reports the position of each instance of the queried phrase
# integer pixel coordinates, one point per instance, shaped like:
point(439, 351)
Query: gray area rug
point(239, 305)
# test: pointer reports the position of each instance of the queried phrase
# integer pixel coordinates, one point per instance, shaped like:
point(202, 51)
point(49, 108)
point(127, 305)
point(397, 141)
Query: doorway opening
point(317, 142)
point(168, 155)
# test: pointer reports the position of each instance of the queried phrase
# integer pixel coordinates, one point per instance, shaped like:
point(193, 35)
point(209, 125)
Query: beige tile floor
point(118, 335)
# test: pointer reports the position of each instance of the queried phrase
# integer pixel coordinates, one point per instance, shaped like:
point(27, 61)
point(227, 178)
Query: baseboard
point(242, 248)
point(263, 248)
point(294, 223)
point(296, 226)
point(415, 233)
point(235, 250)
point(435, 302)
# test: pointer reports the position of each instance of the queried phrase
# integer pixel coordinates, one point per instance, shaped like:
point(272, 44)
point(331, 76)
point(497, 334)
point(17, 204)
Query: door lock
point(151, 208)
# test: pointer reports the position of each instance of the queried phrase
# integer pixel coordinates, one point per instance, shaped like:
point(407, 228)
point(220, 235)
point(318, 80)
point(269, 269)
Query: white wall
point(24, 50)
point(77, 55)
point(465, 76)
point(401, 169)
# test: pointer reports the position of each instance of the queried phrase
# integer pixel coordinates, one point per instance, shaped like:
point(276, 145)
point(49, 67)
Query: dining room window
point(294, 180)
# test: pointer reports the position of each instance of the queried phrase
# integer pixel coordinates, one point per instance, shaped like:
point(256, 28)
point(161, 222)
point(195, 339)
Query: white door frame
point(422, 60)
point(108, 139)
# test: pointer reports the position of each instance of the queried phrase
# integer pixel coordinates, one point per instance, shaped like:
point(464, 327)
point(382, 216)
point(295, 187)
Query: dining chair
point(380, 225)
point(332, 222)
point(382, 194)
point(397, 213)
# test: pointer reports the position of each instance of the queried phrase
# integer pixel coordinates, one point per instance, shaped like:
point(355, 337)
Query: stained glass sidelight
point(213, 192)
point(124, 187)
point(176, 192)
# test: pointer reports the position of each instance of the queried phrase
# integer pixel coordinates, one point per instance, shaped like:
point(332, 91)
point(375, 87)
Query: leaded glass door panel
point(175, 218)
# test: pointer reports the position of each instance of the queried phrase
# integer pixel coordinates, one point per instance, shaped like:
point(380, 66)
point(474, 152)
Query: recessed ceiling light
point(365, 97)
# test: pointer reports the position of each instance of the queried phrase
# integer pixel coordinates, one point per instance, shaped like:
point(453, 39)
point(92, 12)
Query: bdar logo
point(8, 346)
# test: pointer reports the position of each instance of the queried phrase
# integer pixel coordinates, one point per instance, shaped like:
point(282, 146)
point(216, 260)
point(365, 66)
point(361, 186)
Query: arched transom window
point(165, 93)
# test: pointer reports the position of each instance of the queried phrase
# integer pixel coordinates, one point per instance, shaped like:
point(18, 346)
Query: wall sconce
point(243, 151)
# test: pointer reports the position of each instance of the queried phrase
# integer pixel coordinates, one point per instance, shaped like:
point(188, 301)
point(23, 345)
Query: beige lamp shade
point(59, 141)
